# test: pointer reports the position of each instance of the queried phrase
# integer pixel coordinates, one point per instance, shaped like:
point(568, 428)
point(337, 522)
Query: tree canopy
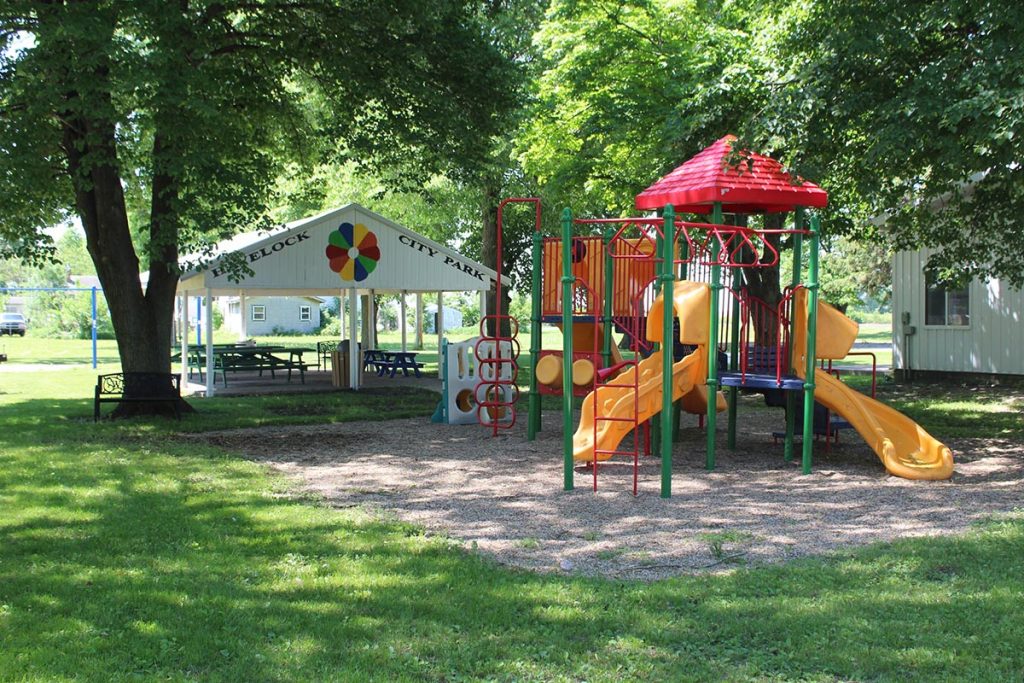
point(168, 126)
point(911, 114)
point(183, 116)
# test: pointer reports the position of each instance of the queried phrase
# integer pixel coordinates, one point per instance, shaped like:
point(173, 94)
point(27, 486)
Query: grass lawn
point(126, 553)
point(875, 333)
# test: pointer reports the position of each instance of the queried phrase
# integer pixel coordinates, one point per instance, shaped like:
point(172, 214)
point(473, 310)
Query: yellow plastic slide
point(616, 398)
point(905, 448)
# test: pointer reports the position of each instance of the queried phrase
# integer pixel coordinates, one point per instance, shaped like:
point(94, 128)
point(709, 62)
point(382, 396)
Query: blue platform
point(557, 319)
point(757, 381)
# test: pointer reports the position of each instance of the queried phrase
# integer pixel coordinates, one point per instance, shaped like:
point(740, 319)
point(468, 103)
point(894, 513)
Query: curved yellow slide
point(616, 400)
point(905, 448)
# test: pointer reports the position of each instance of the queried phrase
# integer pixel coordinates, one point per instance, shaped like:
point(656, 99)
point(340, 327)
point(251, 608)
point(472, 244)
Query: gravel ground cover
point(503, 496)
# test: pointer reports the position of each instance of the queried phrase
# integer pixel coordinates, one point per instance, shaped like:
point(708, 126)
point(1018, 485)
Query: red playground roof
point(757, 185)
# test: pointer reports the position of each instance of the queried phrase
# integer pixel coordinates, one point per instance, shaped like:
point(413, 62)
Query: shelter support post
point(342, 319)
point(401, 319)
point(353, 345)
point(419, 320)
point(209, 342)
point(440, 333)
point(370, 315)
point(243, 317)
point(183, 332)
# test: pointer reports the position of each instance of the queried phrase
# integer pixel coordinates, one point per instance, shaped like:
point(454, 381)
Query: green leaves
point(912, 111)
point(630, 91)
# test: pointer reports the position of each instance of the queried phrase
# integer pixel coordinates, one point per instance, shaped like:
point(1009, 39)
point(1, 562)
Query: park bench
point(137, 387)
point(323, 352)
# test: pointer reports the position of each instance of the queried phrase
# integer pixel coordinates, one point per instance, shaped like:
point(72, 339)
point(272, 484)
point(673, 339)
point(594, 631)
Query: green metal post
point(812, 333)
point(533, 421)
point(734, 353)
point(667, 345)
point(791, 404)
point(716, 286)
point(609, 289)
point(567, 283)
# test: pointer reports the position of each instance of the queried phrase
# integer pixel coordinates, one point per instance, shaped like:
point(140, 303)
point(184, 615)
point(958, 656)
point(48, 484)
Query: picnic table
point(247, 357)
point(390, 362)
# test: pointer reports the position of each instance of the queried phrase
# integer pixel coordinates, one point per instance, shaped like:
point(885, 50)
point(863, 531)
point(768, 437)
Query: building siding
point(282, 313)
point(990, 344)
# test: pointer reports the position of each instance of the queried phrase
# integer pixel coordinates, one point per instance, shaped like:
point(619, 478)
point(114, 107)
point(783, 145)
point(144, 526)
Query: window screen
point(946, 306)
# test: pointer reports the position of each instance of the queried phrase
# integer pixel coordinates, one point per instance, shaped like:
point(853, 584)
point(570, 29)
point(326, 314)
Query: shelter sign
point(351, 247)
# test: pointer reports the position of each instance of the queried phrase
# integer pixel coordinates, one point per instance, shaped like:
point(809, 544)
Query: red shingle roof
point(705, 179)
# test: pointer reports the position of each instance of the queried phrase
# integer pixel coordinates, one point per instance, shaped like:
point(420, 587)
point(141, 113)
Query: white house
point(266, 315)
point(975, 329)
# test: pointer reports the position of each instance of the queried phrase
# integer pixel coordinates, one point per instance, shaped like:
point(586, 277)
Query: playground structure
point(471, 370)
point(482, 387)
point(605, 274)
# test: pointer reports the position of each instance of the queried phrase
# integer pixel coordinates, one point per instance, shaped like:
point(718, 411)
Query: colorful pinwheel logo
point(353, 252)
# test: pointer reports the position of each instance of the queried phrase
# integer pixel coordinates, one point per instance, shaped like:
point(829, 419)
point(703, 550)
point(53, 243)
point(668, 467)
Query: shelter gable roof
point(757, 185)
point(296, 259)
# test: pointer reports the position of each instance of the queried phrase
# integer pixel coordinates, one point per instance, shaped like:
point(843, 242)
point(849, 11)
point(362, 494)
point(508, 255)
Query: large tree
point(631, 90)
point(184, 113)
point(912, 115)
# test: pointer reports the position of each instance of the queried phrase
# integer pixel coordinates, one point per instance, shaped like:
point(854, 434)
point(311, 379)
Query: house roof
point(346, 248)
point(758, 184)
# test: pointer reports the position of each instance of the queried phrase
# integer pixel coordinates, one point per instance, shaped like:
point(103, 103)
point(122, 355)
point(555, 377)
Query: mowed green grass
point(128, 552)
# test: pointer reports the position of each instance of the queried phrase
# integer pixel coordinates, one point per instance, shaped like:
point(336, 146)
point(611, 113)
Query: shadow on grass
point(126, 554)
point(955, 410)
point(166, 566)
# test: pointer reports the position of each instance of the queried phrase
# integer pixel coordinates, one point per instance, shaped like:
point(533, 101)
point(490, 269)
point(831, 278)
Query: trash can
point(340, 368)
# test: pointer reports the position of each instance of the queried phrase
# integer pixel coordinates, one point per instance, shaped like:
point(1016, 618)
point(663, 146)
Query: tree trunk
point(762, 283)
point(141, 319)
point(489, 257)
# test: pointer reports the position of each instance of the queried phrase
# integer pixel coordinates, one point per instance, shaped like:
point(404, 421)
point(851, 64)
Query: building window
point(234, 308)
point(305, 313)
point(945, 305)
point(259, 313)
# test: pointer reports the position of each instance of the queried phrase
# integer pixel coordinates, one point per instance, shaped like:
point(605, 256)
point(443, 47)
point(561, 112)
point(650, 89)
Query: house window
point(944, 305)
point(234, 308)
point(304, 313)
point(259, 313)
